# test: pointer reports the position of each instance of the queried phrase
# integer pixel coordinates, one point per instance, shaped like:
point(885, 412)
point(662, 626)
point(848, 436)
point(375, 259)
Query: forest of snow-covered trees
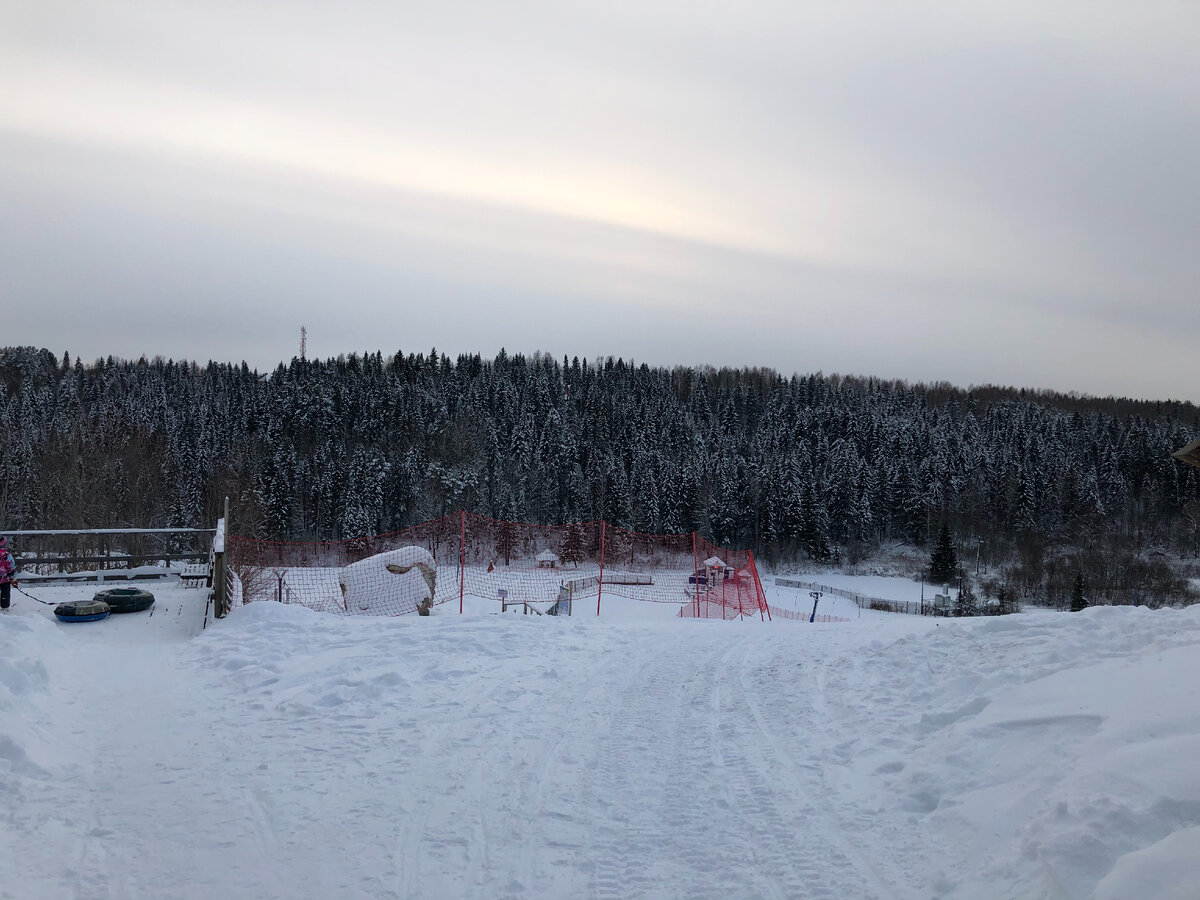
point(800, 468)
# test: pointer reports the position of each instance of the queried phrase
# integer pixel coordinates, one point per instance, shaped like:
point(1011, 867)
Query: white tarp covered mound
point(389, 584)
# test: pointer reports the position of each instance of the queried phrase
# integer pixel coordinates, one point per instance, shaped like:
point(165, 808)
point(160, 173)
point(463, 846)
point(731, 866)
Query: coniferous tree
point(750, 458)
point(943, 561)
point(573, 549)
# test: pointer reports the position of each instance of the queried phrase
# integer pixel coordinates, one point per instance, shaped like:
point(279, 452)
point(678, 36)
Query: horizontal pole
point(110, 531)
point(78, 560)
point(95, 577)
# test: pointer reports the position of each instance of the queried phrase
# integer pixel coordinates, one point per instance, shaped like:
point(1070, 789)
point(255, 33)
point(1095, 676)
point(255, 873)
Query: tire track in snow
point(821, 861)
point(631, 782)
point(420, 823)
point(706, 812)
point(559, 837)
point(696, 795)
point(488, 827)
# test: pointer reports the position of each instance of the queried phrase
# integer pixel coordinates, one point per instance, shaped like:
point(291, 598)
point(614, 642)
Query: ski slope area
point(283, 753)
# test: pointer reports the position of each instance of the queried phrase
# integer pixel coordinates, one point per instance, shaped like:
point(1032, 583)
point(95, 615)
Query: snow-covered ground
point(881, 586)
point(282, 753)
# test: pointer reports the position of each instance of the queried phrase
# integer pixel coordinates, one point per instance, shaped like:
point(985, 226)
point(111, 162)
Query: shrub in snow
point(966, 604)
point(389, 584)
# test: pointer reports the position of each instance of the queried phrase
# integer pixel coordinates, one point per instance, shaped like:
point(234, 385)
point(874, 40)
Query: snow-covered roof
point(714, 562)
point(1189, 454)
point(547, 556)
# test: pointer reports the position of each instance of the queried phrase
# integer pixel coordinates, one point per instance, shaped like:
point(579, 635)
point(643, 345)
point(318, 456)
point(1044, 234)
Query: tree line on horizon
point(801, 469)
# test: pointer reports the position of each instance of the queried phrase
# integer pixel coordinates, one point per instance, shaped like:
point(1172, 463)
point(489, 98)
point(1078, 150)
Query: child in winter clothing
point(8, 573)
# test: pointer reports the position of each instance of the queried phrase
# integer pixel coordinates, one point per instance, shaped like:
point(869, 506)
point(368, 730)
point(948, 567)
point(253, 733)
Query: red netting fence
point(478, 562)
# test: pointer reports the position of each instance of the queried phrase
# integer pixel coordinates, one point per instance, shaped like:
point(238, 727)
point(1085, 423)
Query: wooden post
point(220, 576)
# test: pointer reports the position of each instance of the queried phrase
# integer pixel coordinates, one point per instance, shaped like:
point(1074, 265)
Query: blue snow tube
point(82, 611)
point(125, 600)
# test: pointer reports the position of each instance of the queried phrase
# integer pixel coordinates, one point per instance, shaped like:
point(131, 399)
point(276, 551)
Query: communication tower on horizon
point(303, 341)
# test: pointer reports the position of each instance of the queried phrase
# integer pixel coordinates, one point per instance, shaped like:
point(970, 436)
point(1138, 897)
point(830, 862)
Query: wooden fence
point(106, 554)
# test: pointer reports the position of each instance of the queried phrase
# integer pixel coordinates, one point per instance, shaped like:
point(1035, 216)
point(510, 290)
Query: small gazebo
point(717, 569)
point(547, 559)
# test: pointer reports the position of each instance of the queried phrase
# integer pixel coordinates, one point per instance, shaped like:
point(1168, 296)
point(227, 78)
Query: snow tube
point(125, 600)
point(82, 611)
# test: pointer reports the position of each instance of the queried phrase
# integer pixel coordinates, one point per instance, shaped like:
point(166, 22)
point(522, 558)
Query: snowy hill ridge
point(283, 753)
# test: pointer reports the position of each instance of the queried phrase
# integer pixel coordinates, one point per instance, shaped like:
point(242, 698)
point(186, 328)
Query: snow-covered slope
point(284, 753)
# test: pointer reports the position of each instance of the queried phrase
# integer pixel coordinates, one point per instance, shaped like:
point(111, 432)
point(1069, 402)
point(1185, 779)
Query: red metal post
point(762, 597)
point(696, 575)
point(462, 561)
point(600, 581)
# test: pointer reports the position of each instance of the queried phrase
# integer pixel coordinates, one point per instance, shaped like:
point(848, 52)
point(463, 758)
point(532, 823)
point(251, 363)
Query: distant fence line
point(801, 616)
point(865, 602)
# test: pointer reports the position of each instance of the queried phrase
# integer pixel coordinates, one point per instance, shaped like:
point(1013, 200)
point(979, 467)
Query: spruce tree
point(572, 549)
point(943, 562)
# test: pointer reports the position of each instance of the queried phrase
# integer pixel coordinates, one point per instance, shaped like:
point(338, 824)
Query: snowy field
point(881, 586)
point(281, 753)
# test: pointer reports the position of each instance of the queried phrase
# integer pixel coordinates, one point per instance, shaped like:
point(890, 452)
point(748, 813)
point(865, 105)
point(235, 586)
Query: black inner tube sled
point(126, 600)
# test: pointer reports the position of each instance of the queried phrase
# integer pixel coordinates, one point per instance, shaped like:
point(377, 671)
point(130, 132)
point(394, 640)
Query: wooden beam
point(81, 531)
point(109, 562)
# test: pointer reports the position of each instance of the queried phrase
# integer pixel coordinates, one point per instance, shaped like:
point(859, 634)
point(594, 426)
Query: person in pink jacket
point(8, 573)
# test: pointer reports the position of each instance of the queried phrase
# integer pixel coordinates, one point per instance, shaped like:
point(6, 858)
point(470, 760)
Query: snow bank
point(26, 744)
point(286, 753)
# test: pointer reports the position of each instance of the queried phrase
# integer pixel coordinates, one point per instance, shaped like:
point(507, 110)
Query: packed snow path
point(282, 753)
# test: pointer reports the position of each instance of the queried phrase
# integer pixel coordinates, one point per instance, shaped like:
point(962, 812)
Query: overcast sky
point(978, 193)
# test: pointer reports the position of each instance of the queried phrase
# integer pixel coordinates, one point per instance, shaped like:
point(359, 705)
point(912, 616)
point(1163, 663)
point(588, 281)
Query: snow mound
point(389, 584)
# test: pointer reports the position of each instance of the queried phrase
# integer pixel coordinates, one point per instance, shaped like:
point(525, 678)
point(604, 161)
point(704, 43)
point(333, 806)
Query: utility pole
point(303, 341)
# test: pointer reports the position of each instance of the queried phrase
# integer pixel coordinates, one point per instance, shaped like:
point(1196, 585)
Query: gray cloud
point(973, 194)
